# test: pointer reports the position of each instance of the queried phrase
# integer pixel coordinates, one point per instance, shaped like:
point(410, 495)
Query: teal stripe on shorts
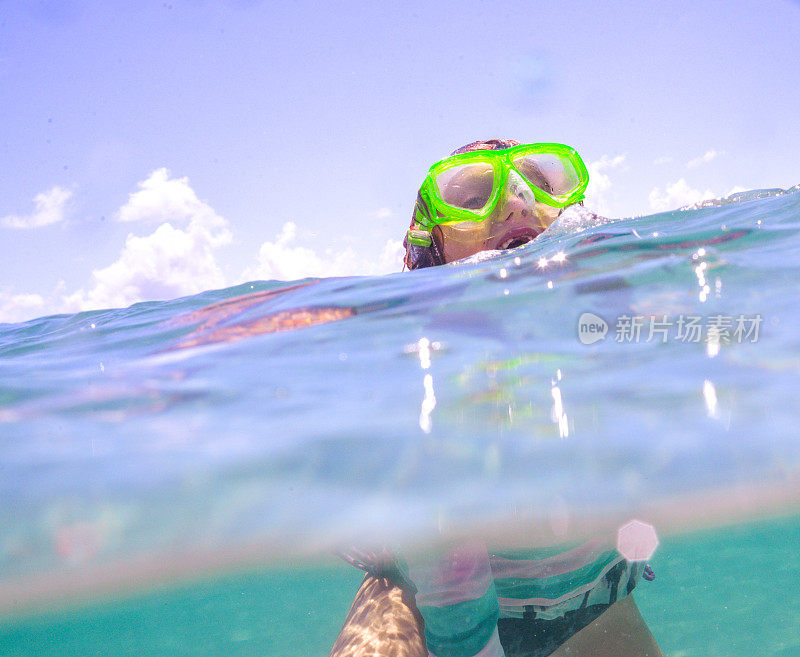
point(535, 554)
point(552, 588)
point(461, 629)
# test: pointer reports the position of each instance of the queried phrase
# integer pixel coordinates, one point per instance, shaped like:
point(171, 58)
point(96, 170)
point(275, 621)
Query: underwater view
point(178, 477)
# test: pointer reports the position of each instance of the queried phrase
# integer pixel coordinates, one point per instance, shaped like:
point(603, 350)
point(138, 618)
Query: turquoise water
point(729, 593)
point(164, 469)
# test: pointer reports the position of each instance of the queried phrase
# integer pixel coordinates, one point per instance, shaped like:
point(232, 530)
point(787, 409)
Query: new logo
point(591, 328)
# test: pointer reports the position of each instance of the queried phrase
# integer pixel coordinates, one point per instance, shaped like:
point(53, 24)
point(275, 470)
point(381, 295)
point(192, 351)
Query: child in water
point(553, 600)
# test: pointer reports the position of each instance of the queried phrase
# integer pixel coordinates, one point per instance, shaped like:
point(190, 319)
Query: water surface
point(180, 458)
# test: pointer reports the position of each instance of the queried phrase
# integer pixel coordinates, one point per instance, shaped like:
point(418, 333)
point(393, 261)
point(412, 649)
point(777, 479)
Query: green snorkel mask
point(487, 199)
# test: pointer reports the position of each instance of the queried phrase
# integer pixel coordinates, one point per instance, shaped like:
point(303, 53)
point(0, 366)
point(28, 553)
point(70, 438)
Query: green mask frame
point(433, 208)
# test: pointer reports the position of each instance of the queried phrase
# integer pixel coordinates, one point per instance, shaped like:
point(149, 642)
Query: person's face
point(517, 219)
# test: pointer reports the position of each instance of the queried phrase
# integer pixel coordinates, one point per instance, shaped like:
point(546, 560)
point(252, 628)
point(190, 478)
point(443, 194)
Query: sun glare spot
point(424, 346)
point(428, 404)
point(710, 397)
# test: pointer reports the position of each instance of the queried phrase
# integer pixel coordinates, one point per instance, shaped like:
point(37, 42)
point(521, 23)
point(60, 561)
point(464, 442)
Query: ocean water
point(175, 476)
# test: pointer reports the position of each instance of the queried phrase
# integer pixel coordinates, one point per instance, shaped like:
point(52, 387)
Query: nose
point(518, 199)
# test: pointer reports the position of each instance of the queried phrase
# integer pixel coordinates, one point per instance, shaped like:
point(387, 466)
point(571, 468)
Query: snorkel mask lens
point(467, 186)
point(548, 172)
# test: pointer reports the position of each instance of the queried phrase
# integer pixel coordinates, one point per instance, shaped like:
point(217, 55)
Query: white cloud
point(19, 307)
point(676, 195)
point(50, 207)
point(664, 159)
point(600, 182)
point(161, 198)
point(704, 158)
point(170, 262)
point(281, 260)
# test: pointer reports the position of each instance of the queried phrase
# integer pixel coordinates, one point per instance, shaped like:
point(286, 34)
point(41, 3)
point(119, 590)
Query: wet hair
point(488, 145)
point(417, 256)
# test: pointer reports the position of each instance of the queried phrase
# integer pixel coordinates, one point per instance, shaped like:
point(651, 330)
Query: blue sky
point(151, 150)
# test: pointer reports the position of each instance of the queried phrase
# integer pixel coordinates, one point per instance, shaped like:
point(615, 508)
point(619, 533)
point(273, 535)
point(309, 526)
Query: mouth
point(517, 237)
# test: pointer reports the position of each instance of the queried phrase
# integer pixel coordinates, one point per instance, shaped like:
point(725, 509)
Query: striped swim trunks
point(517, 603)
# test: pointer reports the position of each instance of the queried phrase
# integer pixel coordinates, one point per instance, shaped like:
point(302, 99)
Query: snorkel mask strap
point(421, 249)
